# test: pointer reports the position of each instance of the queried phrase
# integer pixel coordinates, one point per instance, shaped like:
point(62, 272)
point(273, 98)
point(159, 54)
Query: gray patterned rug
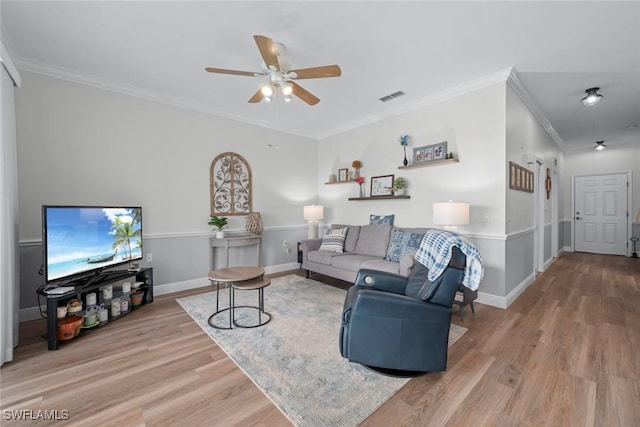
point(295, 359)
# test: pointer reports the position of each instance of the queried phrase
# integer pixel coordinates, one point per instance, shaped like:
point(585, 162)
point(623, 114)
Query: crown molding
point(450, 93)
point(5, 58)
point(129, 90)
point(516, 84)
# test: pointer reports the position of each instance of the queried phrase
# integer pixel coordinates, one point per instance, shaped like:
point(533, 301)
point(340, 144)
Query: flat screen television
point(80, 242)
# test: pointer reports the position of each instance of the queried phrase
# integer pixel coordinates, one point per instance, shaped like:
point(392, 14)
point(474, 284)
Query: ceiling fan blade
point(257, 97)
point(317, 72)
point(235, 72)
point(304, 94)
point(267, 50)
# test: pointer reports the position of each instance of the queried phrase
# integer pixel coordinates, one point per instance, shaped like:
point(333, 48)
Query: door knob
point(578, 217)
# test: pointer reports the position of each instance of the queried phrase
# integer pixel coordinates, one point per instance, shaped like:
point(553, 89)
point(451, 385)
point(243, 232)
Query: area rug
point(295, 359)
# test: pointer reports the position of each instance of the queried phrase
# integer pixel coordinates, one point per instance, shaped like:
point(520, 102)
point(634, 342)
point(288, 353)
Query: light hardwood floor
point(566, 353)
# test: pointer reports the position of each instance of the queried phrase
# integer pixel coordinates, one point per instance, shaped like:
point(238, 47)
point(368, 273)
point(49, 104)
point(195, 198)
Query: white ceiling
point(429, 50)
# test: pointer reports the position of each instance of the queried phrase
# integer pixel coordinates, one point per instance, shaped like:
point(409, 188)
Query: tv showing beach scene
point(78, 239)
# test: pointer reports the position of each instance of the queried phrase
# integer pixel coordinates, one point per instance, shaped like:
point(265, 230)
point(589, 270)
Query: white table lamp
point(451, 214)
point(313, 214)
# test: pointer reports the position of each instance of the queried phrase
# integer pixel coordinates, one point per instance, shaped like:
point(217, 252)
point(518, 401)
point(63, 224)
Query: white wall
point(82, 145)
point(525, 136)
point(473, 126)
point(612, 159)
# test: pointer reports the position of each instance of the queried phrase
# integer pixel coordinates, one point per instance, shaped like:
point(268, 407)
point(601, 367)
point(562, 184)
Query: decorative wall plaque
point(230, 182)
point(520, 178)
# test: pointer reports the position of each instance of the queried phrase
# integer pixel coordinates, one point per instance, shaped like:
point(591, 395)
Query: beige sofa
point(375, 246)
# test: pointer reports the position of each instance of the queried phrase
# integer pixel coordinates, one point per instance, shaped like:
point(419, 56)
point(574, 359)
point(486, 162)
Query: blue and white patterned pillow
point(402, 243)
point(333, 241)
point(381, 219)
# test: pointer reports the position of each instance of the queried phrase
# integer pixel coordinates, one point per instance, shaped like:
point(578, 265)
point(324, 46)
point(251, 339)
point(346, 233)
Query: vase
point(254, 223)
point(405, 161)
point(220, 234)
point(361, 191)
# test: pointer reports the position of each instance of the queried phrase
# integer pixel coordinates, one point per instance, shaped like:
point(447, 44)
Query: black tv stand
point(93, 284)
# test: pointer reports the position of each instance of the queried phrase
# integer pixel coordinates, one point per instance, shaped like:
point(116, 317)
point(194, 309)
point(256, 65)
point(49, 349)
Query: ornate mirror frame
point(230, 185)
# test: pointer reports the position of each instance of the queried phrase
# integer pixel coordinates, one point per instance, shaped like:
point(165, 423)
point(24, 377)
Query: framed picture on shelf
point(429, 153)
point(343, 174)
point(382, 185)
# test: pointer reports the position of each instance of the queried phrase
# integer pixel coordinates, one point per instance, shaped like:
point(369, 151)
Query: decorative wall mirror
point(230, 182)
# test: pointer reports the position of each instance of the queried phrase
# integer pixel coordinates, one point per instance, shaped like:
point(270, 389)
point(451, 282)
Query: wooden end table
point(244, 278)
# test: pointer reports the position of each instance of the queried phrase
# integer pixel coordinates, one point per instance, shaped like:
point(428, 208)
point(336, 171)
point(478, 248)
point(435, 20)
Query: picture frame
point(343, 174)
point(429, 153)
point(381, 186)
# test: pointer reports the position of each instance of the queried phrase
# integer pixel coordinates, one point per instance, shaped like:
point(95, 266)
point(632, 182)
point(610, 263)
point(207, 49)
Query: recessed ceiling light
point(600, 146)
point(631, 127)
point(592, 97)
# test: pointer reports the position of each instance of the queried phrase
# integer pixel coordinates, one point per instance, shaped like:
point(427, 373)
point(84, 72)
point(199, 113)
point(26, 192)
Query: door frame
point(629, 204)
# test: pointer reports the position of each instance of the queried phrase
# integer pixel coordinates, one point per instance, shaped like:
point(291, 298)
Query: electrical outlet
point(285, 244)
point(149, 257)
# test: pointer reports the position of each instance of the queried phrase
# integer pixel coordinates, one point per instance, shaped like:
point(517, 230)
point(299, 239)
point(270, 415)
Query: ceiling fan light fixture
point(267, 90)
point(287, 89)
point(592, 97)
point(287, 98)
point(600, 146)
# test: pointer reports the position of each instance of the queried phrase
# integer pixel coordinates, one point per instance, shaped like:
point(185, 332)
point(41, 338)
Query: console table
point(233, 242)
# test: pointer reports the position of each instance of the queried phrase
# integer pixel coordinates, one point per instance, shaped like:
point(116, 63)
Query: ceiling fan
point(279, 79)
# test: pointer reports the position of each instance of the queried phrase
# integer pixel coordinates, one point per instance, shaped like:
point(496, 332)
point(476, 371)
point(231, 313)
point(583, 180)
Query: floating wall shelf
point(431, 163)
point(379, 198)
point(351, 181)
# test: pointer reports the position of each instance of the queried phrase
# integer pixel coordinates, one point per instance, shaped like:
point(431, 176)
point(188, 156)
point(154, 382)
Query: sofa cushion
point(373, 240)
point(333, 241)
point(382, 265)
point(381, 219)
point(351, 240)
point(322, 257)
point(401, 244)
point(350, 262)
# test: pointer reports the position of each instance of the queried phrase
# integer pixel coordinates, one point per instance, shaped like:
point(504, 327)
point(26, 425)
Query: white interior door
point(601, 214)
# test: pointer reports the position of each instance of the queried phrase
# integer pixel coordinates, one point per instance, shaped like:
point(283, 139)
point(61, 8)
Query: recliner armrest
point(381, 280)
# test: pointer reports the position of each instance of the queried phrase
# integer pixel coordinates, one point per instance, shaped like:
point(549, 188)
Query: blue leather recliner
point(400, 325)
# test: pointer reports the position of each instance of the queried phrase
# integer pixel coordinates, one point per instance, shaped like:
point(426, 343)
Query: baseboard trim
point(31, 313)
point(169, 288)
point(505, 302)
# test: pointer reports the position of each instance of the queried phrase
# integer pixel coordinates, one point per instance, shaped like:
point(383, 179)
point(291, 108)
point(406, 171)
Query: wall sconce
point(313, 214)
point(451, 214)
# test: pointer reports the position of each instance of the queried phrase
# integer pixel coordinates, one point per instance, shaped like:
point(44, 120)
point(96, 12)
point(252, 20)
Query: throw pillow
point(381, 219)
point(333, 241)
point(402, 243)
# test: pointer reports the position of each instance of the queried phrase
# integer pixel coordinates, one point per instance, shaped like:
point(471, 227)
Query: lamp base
point(450, 228)
point(312, 229)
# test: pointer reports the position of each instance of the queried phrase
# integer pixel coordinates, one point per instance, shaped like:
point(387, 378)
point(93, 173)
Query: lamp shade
point(638, 217)
point(313, 213)
point(451, 213)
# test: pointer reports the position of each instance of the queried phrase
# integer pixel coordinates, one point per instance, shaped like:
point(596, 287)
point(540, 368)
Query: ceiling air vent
point(391, 96)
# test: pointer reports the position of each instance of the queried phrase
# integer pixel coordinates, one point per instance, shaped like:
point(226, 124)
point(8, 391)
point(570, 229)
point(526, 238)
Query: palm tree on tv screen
point(124, 232)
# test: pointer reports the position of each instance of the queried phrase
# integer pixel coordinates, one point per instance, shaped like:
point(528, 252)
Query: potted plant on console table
point(219, 223)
